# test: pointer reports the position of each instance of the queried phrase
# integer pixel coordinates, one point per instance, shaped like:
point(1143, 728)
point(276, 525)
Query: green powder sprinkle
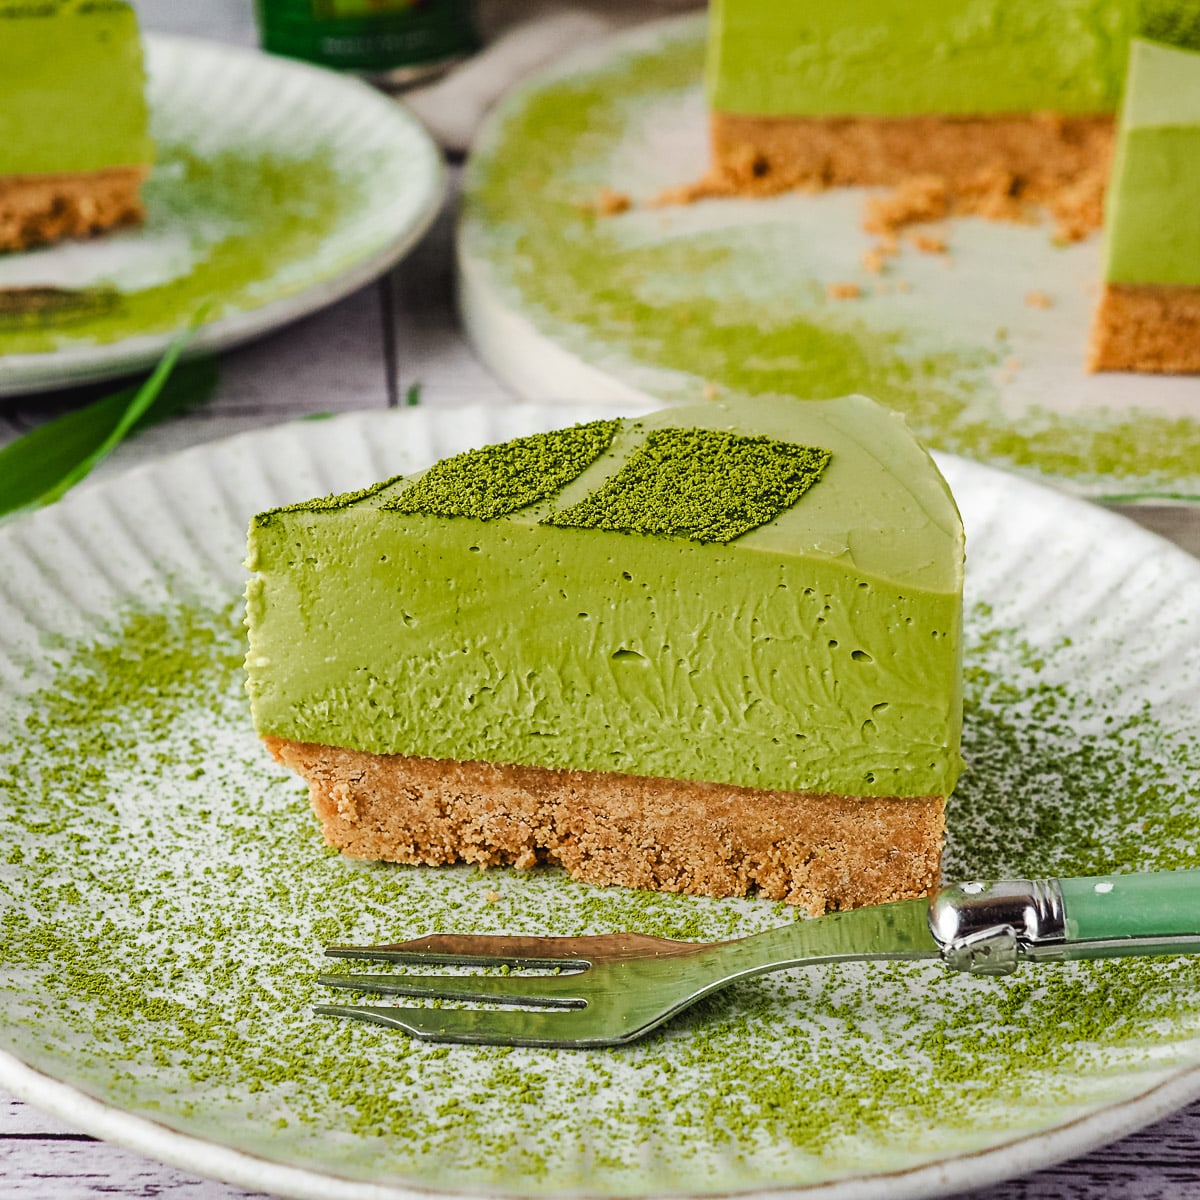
point(166, 893)
point(330, 503)
point(700, 484)
point(499, 480)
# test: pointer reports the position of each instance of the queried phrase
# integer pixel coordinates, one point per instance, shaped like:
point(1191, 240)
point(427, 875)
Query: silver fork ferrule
point(988, 928)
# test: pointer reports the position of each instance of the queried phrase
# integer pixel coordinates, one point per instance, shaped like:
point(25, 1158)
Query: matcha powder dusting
point(700, 484)
point(164, 897)
point(498, 480)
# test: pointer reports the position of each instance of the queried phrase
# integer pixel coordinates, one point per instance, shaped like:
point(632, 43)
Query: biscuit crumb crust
point(1003, 167)
point(36, 209)
point(1147, 328)
point(820, 852)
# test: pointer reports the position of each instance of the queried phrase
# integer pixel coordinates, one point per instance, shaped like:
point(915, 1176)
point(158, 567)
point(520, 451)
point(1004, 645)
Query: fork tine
point(476, 1026)
point(562, 991)
point(480, 950)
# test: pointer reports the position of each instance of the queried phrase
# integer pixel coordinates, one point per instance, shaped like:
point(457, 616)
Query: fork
point(610, 989)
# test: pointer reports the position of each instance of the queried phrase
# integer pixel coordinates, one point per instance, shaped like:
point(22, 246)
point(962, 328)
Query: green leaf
point(44, 464)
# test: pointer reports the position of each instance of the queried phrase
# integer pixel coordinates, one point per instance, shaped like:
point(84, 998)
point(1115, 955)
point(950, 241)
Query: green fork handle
point(1145, 907)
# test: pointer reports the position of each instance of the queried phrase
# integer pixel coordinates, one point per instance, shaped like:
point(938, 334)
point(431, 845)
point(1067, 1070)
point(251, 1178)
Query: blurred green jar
point(392, 42)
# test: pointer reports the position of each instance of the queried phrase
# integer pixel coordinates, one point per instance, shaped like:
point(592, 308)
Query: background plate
point(278, 188)
point(729, 296)
point(164, 891)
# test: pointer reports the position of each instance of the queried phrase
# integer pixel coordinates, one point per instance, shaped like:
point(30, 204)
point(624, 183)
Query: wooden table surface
point(364, 353)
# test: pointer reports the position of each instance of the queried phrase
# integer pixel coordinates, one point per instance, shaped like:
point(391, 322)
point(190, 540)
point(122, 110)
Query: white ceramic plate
point(730, 296)
point(278, 188)
point(164, 893)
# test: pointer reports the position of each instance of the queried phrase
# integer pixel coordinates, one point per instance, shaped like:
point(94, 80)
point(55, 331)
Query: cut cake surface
point(1149, 314)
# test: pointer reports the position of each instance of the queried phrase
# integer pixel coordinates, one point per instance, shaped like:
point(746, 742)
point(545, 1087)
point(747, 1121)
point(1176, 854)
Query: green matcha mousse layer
point(1152, 226)
point(884, 58)
point(765, 594)
point(72, 88)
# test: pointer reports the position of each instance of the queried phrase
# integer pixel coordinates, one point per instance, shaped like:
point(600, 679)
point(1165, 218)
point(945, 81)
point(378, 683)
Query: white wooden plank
point(430, 348)
point(1177, 523)
point(1084, 1179)
point(17, 1117)
point(71, 1170)
point(329, 362)
point(219, 20)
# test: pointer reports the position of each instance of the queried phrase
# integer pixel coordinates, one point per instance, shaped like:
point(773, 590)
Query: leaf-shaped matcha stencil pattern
point(497, 480)
point(701, 484)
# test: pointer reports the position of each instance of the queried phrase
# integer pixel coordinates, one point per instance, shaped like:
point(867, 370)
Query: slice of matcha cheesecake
point(1004, 106)
point(74, 147)
point(1149, 313)
point(712, 650)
